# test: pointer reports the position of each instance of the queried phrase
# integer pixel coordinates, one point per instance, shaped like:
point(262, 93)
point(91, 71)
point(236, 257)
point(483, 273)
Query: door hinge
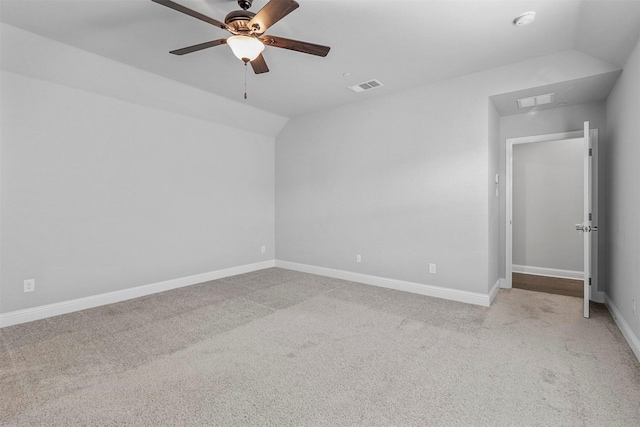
point(590, 217)
point(590, 152)
point(589, 281)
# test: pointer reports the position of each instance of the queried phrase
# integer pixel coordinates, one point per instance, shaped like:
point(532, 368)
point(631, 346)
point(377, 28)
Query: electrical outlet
point(358, 258)
point(263, 249)
point(432, 268)
point(30, 285)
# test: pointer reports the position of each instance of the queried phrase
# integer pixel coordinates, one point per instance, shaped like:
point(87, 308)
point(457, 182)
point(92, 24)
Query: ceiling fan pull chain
point(245, 80)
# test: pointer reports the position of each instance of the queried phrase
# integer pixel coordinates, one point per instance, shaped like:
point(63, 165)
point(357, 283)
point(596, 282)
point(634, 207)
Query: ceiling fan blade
point(298, 46)
point(197, 47)
point(259, 65)
point(193, 13)
point(271, 13)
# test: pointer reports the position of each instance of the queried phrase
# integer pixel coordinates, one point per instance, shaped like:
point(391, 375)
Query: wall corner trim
point(64, 307)
point(400, 285)
point(626, 330)
point(493, 292)
point(598, 297)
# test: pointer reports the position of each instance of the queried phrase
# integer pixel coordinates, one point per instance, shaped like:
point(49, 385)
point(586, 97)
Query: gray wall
point(394, 180)
point(405, 180)
point(623, 197)
point(547, 203)
point(494, 196)
point(101, 194)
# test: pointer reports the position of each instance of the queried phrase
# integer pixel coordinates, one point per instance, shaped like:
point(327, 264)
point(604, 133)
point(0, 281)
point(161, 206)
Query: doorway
point(547, 200)
point(533, 262)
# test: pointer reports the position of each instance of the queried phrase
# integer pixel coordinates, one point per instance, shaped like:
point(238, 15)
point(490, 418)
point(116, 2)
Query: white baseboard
point(598, 297)
point(493, 292)
point(551, 272)
point(416, 288)
point(627, 332)
point(50, 310)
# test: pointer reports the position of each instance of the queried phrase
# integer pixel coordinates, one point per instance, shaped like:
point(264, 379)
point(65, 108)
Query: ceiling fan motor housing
point(238, 20)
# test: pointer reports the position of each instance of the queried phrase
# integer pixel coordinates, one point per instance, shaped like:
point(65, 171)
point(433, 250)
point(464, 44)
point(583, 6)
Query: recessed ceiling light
point(524, 19)
point(526, 102)
point(545, 99)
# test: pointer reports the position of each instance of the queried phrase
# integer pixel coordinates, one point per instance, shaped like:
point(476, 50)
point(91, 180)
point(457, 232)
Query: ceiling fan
point(247, 28)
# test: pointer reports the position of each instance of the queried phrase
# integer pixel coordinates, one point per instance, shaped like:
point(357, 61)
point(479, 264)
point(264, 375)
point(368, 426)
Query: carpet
point(279, 347)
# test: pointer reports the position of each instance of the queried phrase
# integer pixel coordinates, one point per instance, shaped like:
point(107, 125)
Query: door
point(587, 226)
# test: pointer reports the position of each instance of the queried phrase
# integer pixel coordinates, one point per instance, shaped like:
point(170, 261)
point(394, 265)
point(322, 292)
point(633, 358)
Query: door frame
point(510, 142)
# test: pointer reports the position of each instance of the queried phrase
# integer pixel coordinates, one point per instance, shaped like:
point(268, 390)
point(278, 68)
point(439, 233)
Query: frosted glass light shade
point(245, 48)
point(525, 19)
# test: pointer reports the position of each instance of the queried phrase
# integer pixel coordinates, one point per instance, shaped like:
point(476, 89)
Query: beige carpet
point(278, 347)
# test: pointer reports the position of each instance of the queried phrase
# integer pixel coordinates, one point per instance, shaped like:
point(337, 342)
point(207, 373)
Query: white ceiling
point(402, 43)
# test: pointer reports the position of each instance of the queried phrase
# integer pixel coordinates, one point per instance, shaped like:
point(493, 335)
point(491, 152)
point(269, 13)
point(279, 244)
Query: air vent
point(536, 100)
point(361, 87)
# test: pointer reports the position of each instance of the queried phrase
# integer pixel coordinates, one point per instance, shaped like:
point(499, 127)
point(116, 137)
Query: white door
point(587, 226)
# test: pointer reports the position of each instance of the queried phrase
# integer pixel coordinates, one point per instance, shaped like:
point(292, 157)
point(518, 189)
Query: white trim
point(503, 283)
point(510, 142)
point(64, 307)
point(627, 332)
point(549, 272)
point(493, 292)
point(586, 220)
point(598, 297)
point(400, 285)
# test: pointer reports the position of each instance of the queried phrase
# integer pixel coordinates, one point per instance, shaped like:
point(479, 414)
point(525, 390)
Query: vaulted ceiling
point(402, 43)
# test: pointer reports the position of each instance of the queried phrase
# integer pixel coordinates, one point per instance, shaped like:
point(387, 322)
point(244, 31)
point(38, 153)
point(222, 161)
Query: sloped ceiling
point(403, 43)
point(581, 91)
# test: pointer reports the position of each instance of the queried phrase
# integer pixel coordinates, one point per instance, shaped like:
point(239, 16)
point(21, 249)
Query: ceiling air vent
point(361, 87)
point(536, 100)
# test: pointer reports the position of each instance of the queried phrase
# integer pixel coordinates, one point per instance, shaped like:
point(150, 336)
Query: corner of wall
point(622, 242)
point(493, 195)
point(627, 332)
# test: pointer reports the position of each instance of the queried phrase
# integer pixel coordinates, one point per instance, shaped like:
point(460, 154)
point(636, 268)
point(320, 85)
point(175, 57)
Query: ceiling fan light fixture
point(245, 48)
point(524, 19)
